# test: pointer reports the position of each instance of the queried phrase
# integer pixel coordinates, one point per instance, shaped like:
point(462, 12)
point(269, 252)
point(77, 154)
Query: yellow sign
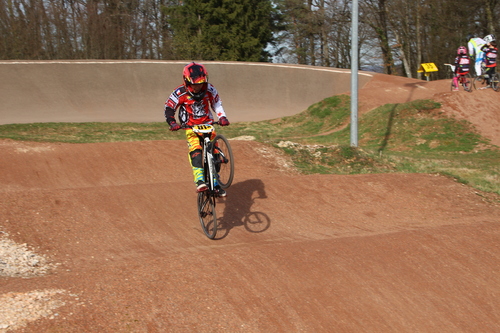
point(427, 67)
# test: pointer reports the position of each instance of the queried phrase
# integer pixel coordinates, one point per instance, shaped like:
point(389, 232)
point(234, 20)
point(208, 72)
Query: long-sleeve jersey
point(490, 56)
point(475, 45)
point(462, 64)
point(192, 112)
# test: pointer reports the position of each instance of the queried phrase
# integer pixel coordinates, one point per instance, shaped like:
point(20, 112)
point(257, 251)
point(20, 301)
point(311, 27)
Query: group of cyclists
point(484, 53)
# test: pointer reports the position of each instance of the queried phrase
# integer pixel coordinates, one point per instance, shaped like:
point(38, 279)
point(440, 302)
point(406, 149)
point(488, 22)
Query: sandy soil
point(317, 253)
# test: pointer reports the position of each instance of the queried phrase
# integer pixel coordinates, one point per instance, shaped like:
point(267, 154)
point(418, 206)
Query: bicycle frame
point(462, 79)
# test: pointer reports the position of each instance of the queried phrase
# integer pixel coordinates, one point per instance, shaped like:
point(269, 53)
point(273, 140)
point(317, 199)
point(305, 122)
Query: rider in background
point(490, 58)
point(195, 99)
point(462, 64)
point(475, 44)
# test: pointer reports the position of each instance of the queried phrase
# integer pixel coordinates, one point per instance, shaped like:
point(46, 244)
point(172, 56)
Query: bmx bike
point(481, 80)
point(218, 169)
point(464, 80)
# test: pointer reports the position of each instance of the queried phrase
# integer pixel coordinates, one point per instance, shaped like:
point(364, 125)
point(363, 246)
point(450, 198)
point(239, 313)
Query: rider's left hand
point(223, 121)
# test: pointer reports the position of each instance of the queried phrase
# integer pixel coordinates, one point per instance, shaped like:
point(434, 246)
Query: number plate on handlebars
point(205, 128)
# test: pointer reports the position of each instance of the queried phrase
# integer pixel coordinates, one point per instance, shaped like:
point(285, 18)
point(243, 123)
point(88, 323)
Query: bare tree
point(375, 14)
point(395, 36)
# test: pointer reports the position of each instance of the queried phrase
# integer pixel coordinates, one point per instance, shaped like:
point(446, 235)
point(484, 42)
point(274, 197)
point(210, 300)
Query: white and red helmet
point(490, 38)
point(195, 73)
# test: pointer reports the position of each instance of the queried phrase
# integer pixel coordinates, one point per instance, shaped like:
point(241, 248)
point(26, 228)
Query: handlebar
point(452, 67)
point(184, 126)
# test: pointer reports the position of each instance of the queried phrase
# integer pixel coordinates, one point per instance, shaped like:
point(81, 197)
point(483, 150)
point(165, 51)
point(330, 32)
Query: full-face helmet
point(490, 38)
point(195, 73)
point(462, 50)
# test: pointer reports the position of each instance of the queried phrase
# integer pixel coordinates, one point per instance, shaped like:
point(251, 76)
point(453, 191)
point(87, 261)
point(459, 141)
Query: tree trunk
point(419, 39)
point(489, 7)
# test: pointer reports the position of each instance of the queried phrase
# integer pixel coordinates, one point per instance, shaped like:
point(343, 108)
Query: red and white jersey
point(490, 56)
point(191, 111)
point(462, 63)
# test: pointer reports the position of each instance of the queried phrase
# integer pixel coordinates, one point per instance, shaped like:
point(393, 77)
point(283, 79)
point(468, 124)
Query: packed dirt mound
point(117, 222)
point(478, 107)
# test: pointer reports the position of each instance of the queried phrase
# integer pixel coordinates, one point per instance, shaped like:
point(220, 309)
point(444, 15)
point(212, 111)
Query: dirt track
point(319, 253)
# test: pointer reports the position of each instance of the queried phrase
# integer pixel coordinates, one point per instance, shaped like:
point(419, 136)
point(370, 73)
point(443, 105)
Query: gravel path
point(16, 260)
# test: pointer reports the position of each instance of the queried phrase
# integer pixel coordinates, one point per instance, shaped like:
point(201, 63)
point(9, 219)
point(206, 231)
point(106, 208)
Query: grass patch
point(408, 137)
point(88, 132)
point(338, 159)
point(324, 116)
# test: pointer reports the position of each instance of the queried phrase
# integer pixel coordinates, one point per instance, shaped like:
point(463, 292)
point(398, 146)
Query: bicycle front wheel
point(495, 82)
point(206, 212)
point(478, 82)
point(223, 160)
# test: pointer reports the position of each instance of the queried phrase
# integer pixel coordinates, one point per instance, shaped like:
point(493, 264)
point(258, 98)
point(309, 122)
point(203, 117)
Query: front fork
point(210, 172)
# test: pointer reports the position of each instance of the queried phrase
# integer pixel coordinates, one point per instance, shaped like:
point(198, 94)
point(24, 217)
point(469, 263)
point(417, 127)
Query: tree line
point(395, 36)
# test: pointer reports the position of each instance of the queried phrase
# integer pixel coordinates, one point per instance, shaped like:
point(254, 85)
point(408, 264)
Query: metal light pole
point(354, 75)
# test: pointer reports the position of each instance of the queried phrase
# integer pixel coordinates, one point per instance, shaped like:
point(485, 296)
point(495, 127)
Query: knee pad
point(196, 158)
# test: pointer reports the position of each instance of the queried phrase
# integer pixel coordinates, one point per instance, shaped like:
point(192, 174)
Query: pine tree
point(236, 30)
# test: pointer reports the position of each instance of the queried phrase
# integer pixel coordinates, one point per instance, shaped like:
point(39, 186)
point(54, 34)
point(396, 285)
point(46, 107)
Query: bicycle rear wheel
point(495, 82)
point(224, 161)
point(206, 213)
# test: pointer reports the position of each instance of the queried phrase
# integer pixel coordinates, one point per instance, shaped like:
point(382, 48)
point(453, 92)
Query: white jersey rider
point(474, 45)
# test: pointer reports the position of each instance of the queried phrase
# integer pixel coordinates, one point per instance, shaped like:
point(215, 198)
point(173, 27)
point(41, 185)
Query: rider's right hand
point(174, 126)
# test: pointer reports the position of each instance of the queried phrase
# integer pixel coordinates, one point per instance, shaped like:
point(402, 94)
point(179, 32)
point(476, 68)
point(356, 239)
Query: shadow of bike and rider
point(412, 88)
point(238, 208)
